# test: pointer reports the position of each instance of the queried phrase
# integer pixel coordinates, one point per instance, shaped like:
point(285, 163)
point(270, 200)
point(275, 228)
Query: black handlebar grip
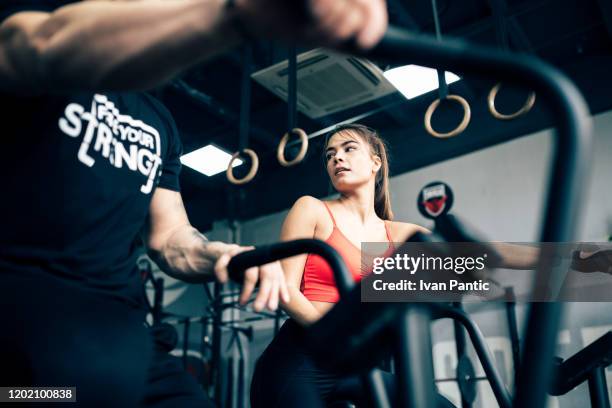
point(274, 252)
point(244, 260)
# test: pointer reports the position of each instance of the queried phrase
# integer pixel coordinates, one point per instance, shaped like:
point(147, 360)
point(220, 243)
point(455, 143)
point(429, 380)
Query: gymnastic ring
point(254, 167)
point(497, 115)
point(467, 114)
point(280, 151)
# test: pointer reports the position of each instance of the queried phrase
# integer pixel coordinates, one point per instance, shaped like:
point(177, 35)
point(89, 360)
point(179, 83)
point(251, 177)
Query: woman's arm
point(516, 256)
point(300, 223)
point(524, 256)
point(513, 256)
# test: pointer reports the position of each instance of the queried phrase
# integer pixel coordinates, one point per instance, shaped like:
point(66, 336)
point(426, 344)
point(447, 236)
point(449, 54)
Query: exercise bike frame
point(571, 158)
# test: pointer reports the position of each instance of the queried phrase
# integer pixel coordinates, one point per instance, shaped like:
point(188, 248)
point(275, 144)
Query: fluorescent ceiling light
point(415, 80)
point(209, 160)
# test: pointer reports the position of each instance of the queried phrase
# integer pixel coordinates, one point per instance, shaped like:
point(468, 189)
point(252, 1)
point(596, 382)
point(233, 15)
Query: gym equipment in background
point(589, 364)
point(434, 201)
point(444, 95)
point(292, 117)
point(501, 30)
point(245, 112)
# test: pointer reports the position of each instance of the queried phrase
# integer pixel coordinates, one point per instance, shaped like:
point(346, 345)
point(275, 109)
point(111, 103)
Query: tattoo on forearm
point(186, 255)
point(200, 236)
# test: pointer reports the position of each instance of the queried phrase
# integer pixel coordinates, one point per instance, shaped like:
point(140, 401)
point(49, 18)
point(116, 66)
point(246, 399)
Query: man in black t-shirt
point(87, 160)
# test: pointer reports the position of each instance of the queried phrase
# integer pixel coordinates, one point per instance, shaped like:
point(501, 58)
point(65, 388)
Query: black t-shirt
point(78, 175)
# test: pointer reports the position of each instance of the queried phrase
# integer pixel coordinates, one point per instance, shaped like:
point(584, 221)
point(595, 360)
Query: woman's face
point(349, 159)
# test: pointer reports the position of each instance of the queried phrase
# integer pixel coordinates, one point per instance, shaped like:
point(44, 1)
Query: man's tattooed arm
point(189, 256)
point(184, 253)
point(179, 249)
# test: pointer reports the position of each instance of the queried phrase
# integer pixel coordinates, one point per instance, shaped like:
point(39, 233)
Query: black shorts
point(56, 334)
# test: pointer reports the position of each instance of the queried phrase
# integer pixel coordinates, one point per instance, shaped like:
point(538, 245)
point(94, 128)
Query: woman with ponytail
point(287, 375)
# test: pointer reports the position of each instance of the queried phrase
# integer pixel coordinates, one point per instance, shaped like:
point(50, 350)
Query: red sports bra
point(318, 281)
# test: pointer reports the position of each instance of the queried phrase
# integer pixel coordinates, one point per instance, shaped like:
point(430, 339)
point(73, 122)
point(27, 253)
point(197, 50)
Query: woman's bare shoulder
point(308, 203)
point(305, 218)
point(309, 207)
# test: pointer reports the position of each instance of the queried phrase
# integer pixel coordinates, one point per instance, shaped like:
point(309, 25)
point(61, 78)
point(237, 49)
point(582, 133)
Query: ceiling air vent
point(327, 82)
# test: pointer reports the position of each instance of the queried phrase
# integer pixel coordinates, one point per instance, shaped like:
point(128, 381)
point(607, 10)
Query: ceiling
point(574, 35)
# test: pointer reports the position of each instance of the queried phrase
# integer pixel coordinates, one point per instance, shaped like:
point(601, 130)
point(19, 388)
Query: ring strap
point(244, 125)
point(442, 85)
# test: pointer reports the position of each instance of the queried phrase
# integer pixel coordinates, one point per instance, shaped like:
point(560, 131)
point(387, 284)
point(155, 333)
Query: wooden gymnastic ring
point(280, 151)
point(467, 114)
point(254, 167)
point(497, 115)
